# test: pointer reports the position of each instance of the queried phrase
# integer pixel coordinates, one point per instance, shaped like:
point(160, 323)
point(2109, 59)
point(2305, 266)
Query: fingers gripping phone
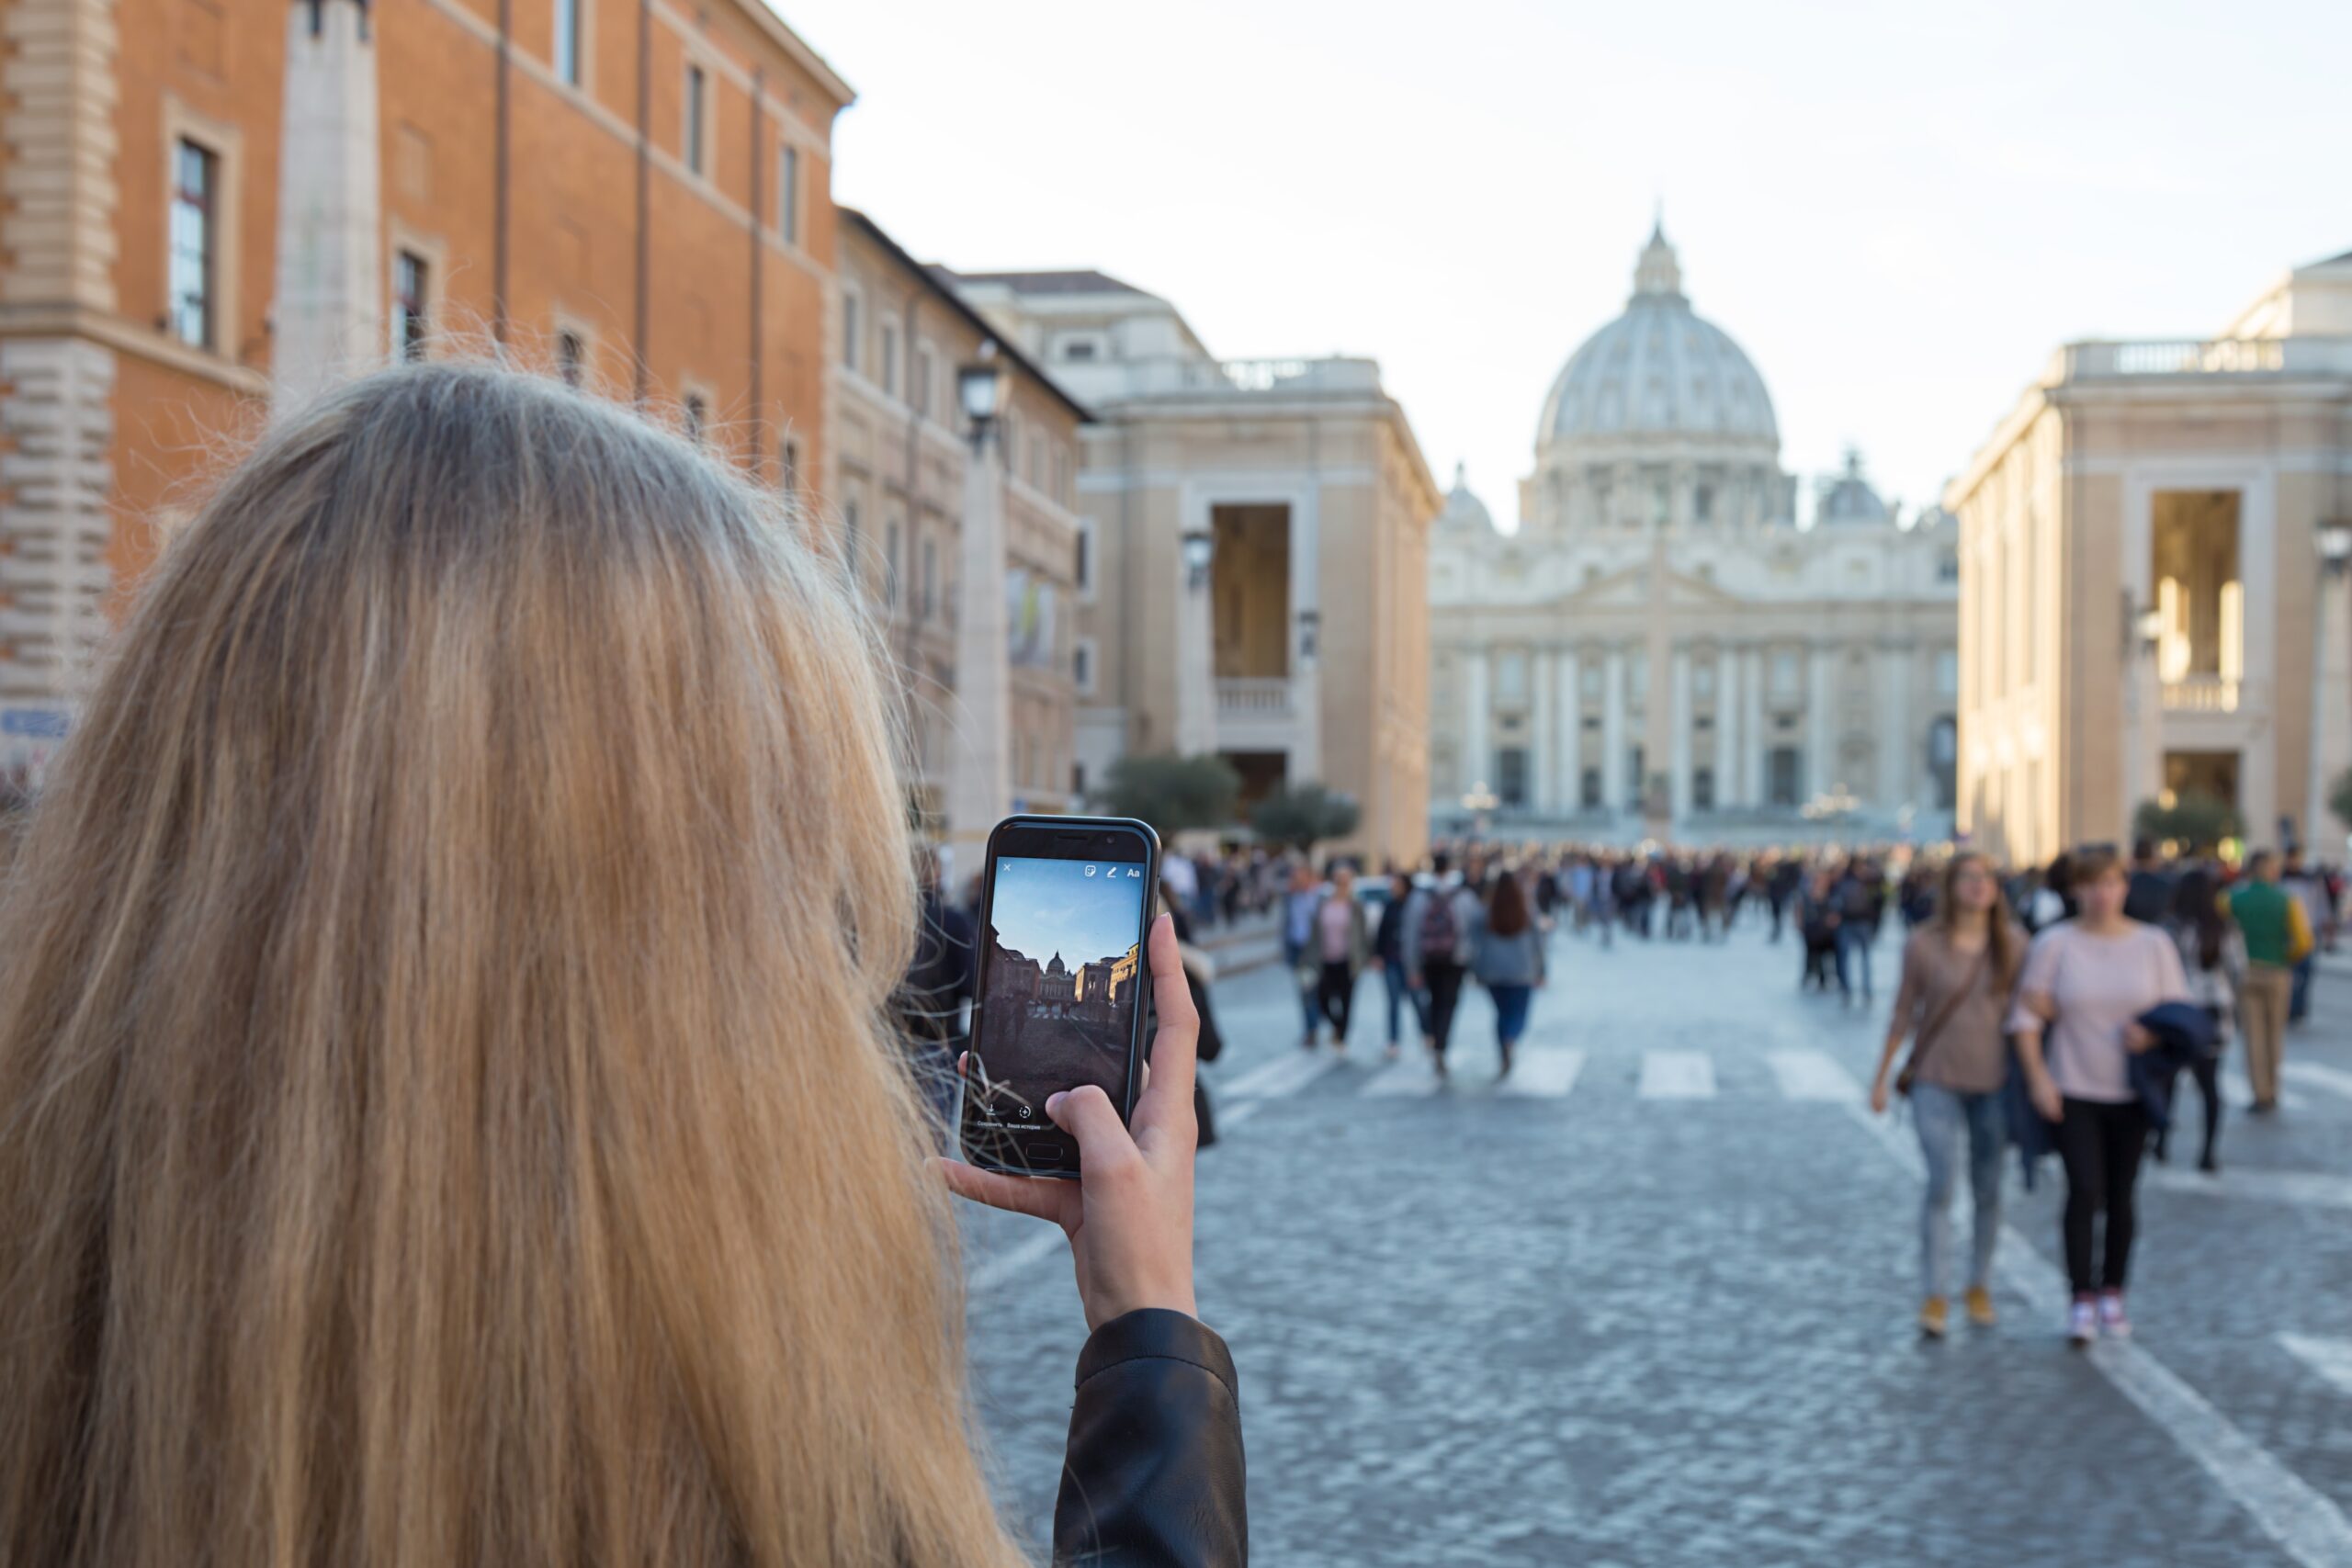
point(1065, 907)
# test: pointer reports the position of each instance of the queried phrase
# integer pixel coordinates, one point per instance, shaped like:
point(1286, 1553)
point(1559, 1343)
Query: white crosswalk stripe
point(1413, 1076)
point(2331, 1358)
point(2238, 1094)
point(2307, 1189)
point(2312, 1075)
point(1812, 1074)
point(1284, 1075)
point(1678, 1074)
point(1543, 1074)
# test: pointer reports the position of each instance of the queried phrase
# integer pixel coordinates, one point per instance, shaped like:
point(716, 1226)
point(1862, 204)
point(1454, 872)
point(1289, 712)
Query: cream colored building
point(1660, 650)
point(1299, 647)
point(902, 452)
point(2140, 573)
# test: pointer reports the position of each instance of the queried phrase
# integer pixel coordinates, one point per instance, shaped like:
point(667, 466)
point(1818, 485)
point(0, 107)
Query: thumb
point(1087, 1114)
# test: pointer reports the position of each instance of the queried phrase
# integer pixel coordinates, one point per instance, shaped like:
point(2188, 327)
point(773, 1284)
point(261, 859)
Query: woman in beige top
point(1957, 972)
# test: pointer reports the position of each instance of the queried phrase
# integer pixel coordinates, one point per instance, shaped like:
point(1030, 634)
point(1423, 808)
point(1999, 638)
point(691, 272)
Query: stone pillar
point(1821, 727)
point(1568, 733)
point(1478, 763)
point(1899, 745)
point(1307, 639)
point(328, 320)
point(1726, 726)
point(1539, 727)
point(1679, 740)
point(57, 417)
point(1613, 730)
point(2330, 741)
point(979, 771)
point(1759, 742)
point(1195, 659)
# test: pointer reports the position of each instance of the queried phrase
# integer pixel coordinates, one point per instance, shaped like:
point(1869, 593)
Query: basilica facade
point(1661, 650)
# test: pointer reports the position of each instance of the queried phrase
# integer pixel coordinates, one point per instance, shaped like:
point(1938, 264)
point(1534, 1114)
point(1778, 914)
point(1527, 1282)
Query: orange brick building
point(638, 193)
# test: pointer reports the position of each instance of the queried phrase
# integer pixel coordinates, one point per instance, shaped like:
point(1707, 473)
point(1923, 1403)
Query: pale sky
point(1898, 209)
point(1081, 909)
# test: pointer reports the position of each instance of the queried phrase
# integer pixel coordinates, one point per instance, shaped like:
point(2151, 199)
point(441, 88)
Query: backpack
point(1441, 933)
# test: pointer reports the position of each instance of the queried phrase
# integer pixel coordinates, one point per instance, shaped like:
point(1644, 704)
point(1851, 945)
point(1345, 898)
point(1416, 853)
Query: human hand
point(1878, 1095)
point(1129, 1217)
point(2136, 1037)
point(2046, 1098)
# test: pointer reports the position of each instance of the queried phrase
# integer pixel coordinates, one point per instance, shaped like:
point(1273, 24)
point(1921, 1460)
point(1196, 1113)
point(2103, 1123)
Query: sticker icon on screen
point(1090, 871)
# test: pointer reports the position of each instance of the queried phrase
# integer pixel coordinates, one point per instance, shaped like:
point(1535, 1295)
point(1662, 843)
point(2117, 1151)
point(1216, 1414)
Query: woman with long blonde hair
point(446, 1112)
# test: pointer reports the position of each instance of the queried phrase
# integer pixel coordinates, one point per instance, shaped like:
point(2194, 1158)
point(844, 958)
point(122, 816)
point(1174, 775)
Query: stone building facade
point(639, 194)
point(1660, 650)
point(2142, 582)
point(1254, 553)
point(898, 507)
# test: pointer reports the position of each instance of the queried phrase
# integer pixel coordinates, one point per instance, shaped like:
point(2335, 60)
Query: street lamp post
point(1195, 663)
point(980, 775)
point(2331, 679)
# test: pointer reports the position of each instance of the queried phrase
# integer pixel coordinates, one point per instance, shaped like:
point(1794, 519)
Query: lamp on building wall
point(1310, 622)
point(980, 387)
point(1200, 549)
point(2336, 547)
point(2148, 628)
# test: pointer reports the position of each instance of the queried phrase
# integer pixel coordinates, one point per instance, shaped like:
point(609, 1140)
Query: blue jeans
point(1941, 1116)
point(2299, 998)
point(1400, 991)
point(1857, 941)
point(1310, 1000)
point(1510, 1012)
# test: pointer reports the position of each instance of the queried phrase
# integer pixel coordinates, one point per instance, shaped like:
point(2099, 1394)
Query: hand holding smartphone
point(1129, 1218)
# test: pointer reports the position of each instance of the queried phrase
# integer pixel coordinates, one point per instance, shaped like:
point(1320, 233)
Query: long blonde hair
point(445, 1114)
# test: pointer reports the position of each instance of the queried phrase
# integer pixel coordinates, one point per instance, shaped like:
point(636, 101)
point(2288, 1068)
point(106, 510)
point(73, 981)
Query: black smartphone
point(1065, 904)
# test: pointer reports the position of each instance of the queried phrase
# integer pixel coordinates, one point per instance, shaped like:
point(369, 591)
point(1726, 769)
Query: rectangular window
point(697, 105)
point(890, 566)
point(789, 460)
point(787, 196)
point(1785, 764)
point(570, 357)
point(567, 42)
point(1082, 664)
point(849, 541)
point(851, 325)
point(196, 175)
point(1702, 504)
point(412, 300)
point(890, 359)
point(919, 390)
point(1784, 673)
point(697, 417)
point(1082, 569)
point(1589, 789)
point(929, 577)
point(1702, 789)
point(1510, 678)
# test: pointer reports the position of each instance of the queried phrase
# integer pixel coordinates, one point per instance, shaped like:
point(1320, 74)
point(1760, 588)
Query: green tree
point(2197, 820)
point(1305, 816)
point(2339, 798)
point(1172, 793)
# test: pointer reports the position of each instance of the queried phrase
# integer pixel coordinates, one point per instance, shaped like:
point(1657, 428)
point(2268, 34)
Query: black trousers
point(1335, 993)
point(2101, 1147)
point(1444, 978)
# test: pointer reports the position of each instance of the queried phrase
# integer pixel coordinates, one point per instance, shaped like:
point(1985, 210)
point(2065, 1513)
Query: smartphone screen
point(1061, 983)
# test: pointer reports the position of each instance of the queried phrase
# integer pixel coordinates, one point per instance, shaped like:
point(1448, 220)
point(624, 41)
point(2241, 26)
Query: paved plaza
point(1653, 1305)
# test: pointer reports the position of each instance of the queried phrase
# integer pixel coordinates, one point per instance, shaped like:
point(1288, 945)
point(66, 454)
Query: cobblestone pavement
point(1657, 1308)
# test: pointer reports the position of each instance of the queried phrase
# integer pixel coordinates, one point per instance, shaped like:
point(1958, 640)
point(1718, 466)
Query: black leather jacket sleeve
point(1154, 1476)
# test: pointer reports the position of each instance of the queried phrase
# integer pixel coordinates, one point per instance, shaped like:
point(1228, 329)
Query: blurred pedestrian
point(1342, 945)
point(1299, 908)
point(1510, 962)
point(2077, 1023)
point(2213, 956)
point(2272, 924)
point(1953, 1004)
point(1438, 923)
point(1388, 957)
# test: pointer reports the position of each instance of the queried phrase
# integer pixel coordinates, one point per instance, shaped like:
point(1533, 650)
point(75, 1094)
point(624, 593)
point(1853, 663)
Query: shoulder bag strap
point(1926, 1037)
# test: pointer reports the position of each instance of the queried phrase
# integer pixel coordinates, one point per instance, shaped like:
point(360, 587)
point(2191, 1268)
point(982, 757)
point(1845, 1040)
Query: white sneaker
point(2082, 1322)
point(2111, 1321)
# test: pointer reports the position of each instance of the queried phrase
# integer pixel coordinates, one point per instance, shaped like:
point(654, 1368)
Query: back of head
point(444, 1115)
point(1506, 906)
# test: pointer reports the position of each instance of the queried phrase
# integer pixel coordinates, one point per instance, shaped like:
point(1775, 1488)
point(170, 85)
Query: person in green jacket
point(2277, 937)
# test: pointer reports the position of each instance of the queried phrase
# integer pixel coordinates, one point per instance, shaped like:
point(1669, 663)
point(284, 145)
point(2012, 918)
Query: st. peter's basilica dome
point(1659, 369)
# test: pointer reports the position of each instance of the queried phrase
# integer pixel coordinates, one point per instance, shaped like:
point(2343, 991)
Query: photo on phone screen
point(1062, 977)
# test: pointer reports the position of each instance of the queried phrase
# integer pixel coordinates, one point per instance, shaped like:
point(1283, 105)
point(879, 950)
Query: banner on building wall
point(1029, 619)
